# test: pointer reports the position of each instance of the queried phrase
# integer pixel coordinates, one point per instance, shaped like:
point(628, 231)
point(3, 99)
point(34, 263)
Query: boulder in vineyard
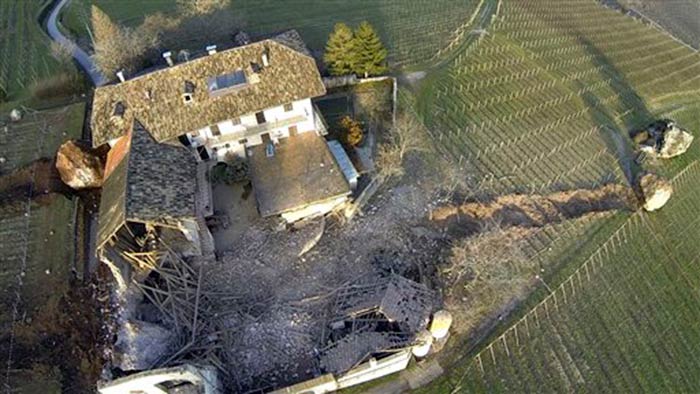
point(663, 139)
point(655, 191)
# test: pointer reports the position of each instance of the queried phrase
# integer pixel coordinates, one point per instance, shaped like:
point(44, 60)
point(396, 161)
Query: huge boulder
point(675, 142)
point(663, 139)
point(80, 166)
point(654, 190)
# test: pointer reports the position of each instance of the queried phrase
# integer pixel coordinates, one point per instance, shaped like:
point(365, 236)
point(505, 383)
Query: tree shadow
point(614, 134)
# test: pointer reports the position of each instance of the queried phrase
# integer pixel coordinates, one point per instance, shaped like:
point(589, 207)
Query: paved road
point(82, 57)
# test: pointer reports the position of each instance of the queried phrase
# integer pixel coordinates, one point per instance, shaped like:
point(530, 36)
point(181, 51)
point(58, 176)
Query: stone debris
point(663, 139)
point(655, 191)
point(80, 167)
point(16, 115)
point(141, 344)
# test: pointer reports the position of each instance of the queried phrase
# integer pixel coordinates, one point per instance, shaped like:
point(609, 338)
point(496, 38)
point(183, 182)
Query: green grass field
point(412, 30)
point(24, 47)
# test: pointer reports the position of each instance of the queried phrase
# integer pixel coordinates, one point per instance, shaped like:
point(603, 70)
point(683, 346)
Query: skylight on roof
point(226, 81)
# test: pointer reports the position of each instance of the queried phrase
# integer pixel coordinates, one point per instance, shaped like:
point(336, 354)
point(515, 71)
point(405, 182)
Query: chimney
point(265, 58)
point(211, 49)
point(120, 75)
point(168, 56)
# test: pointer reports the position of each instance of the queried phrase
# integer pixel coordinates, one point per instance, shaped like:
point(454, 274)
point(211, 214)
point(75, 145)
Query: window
point(236, 121)
point(189, 87)
point(293, 130)
point(215, 130)
point(119, 110)
point(225, 82)
point(288, 107)
point(260, 117)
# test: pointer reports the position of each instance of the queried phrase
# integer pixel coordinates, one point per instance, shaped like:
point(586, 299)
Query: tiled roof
point(301, 172)
point(152, 183)
point(156, 99)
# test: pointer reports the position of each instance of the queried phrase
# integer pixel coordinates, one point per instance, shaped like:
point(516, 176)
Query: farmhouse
point(251, 102)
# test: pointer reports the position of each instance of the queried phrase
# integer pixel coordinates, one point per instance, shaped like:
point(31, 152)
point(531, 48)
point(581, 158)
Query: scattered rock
point(15, 115)
point(655, 191)
point(80, 167)
point(663, 139)
point(140, 344)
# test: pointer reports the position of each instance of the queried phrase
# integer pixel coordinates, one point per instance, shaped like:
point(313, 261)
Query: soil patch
point(519, 210)
point(34, 180)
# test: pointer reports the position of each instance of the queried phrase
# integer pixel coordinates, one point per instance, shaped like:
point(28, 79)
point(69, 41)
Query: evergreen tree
point(370, 52)
point(340, 52)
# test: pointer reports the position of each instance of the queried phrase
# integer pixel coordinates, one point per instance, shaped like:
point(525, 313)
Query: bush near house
point(352, 131)
point(229, 173)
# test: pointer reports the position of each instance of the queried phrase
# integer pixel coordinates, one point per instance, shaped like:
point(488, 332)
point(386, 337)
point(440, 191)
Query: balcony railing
point(257, 130)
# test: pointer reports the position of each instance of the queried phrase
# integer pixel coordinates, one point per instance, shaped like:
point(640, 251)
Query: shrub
point(229, 173)
point(352, 131)
point(64, 84)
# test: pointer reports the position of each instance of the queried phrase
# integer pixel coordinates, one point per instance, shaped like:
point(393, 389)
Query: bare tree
point(406, 136)
point(200, 7)
point(118, 47)
point(62, 51)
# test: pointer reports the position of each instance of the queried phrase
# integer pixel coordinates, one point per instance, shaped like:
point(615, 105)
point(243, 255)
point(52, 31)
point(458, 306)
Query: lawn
point(412, 30)
point(24, 47)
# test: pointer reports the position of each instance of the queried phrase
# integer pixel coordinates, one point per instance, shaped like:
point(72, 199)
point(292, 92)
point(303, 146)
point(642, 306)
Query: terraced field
point(544, 100)
point(24, 47)
point(413, 30)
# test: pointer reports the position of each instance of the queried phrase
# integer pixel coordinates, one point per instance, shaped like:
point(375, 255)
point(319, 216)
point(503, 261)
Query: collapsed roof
point(268, 73)
point(146, 182)
point(374, 318)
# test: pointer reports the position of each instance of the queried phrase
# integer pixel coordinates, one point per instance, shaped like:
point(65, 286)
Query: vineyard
point(24, 46)
point(625, 321)
point(544, 99)
point(413, 30)
point(37, 238)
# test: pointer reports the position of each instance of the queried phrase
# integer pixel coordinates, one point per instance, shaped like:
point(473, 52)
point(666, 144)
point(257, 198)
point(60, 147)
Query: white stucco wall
point(229, 143)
